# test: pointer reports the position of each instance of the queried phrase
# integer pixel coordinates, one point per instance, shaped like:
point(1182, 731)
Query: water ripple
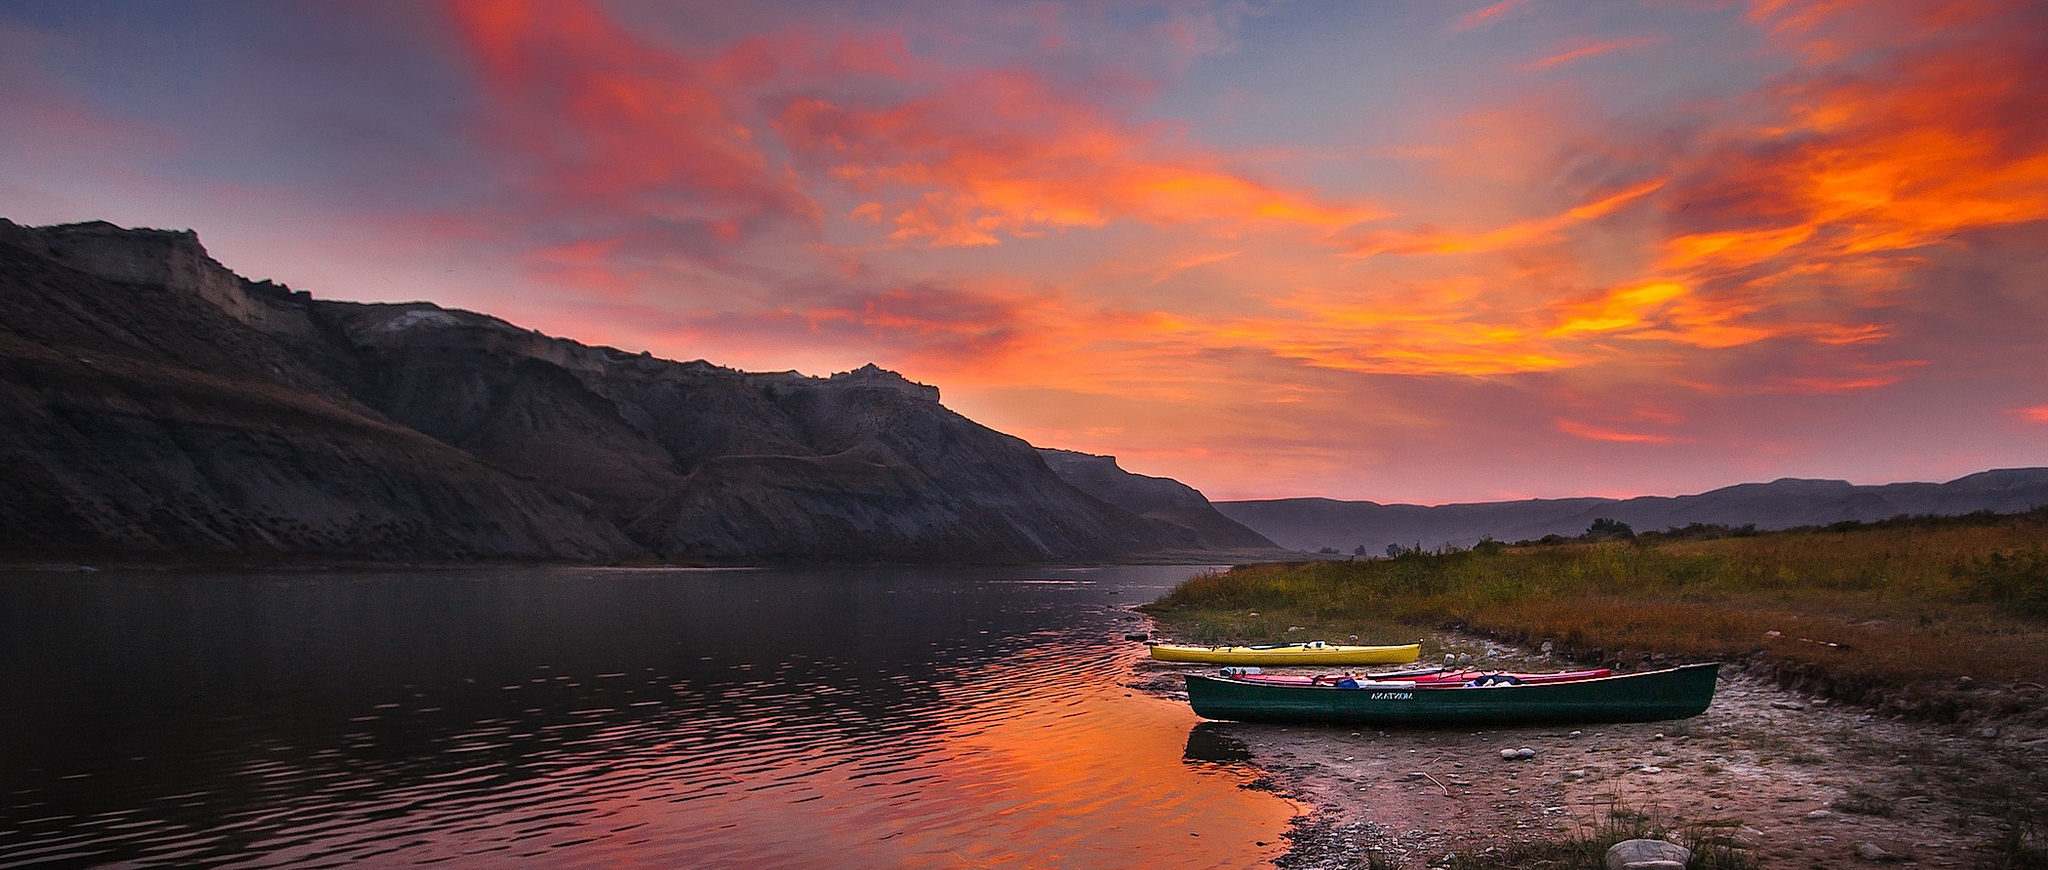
point(884, 723)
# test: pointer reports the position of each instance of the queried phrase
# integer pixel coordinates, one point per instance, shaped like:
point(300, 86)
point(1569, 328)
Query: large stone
point(1647, 855)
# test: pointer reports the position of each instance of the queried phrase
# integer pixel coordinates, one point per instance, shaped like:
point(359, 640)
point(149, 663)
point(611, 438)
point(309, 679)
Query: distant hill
point(1316, 523)
point(155, 405)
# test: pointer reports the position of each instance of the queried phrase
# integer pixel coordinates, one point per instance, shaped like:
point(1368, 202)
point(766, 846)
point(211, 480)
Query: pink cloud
point(600, 123)
point(1486, 14)
point(1589, 50)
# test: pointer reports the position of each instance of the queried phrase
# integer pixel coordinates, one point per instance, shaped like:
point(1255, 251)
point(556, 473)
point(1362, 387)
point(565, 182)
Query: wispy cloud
point(1526, 233)
point(1596, 49)
point(1485, 14)
point(1192, 262)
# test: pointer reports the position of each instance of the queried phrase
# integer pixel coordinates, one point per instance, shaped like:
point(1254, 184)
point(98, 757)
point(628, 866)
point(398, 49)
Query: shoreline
point(1794, 779)
point(291, 563)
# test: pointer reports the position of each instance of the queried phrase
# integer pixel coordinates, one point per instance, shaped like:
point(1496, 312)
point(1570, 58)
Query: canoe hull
point(1650, 696)
point(1292, 654)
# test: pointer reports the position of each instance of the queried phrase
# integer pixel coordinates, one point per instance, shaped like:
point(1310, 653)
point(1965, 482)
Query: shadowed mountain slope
point(155, 404)
point(1164, 501)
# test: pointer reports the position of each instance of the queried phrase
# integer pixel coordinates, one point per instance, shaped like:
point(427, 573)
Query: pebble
point(1819, 816)
point(1873, 852)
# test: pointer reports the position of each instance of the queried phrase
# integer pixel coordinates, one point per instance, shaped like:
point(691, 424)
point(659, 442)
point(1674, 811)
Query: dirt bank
point(1798, 781)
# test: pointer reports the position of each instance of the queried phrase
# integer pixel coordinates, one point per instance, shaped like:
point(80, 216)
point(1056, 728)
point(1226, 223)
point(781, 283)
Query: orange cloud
point(1619, 309)
point(1806, 222)
point(1789, 228)
point(1945, 138)
point(2035, 414)
point(1590, 432)
point(1000, 153)
point(1785, 233)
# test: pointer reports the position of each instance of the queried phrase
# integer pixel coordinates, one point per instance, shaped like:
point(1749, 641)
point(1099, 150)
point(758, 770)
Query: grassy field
point(1891, 614)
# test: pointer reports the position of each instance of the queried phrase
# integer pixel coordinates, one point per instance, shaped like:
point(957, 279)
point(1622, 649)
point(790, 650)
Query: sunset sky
point(1400, 250)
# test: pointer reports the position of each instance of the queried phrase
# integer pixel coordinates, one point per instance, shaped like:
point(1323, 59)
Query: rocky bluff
point(153, 404)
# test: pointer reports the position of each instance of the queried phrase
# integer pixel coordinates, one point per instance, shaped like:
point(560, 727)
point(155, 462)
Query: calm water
point(604, 718)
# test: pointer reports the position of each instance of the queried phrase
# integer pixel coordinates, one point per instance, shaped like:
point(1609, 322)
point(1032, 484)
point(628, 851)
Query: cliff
point(155, 404)
point(1176, 507)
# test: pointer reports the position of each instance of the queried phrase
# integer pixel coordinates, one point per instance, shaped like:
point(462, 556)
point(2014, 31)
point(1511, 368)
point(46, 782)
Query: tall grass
point(1868, 612)
point(1584, 848)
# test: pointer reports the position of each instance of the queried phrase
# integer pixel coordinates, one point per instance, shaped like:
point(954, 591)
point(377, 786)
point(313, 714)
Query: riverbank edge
point(1340, 827)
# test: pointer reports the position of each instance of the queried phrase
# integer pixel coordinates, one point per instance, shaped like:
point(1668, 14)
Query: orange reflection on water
point(1047, 764)
point(1115, 790)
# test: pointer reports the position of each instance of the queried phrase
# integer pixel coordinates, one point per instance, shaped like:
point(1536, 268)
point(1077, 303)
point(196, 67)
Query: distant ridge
point(1315, 523)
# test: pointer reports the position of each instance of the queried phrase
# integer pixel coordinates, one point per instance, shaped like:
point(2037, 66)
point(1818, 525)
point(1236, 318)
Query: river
point(618, 718)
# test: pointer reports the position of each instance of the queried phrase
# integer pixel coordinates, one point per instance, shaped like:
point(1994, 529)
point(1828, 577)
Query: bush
point(2015, 580)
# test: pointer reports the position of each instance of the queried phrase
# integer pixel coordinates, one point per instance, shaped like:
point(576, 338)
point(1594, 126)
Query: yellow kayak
point(1312, 653)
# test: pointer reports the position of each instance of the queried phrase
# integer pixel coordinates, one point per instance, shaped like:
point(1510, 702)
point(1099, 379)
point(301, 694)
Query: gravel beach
point(1798, 781)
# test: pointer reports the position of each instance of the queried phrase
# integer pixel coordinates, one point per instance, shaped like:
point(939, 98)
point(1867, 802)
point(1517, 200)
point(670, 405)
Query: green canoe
point(1649, 696)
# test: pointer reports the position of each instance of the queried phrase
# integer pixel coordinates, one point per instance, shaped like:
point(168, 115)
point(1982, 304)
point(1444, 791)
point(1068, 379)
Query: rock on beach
point(1647, 855)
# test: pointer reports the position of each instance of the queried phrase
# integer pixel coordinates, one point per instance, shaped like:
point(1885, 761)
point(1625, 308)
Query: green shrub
point(2016, 581)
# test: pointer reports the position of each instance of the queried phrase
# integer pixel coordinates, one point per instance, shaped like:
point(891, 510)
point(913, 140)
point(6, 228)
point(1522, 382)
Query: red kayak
point(1440, 679)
